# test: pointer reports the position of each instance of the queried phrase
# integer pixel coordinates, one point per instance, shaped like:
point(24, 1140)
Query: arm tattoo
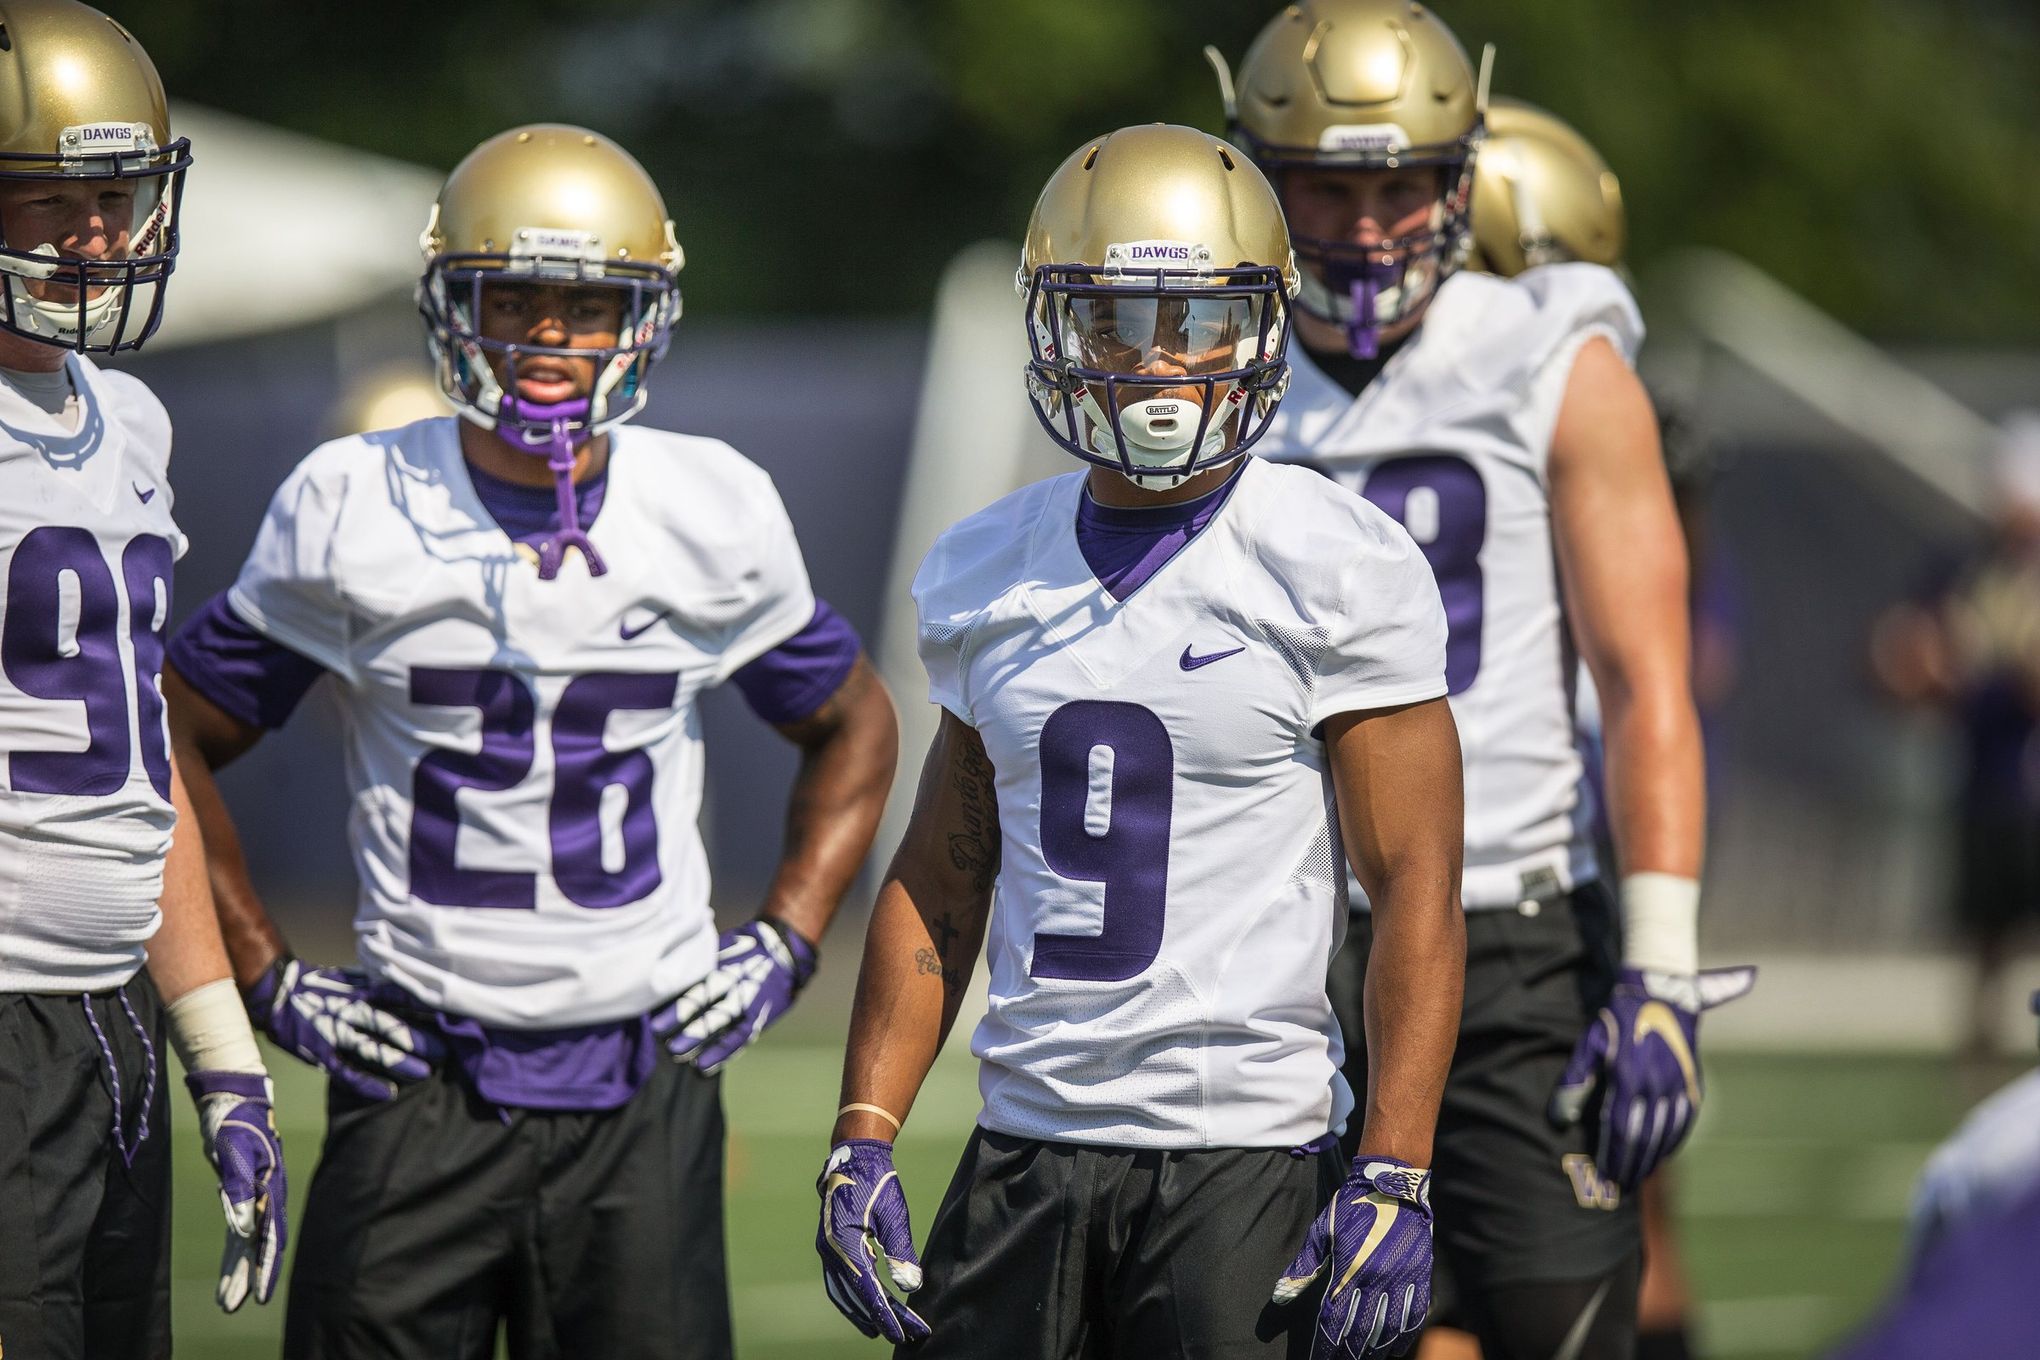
point(975, 848)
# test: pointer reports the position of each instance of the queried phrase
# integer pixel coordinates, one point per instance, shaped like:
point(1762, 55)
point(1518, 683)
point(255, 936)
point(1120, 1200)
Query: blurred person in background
point(1500, 421)
point(517, 611)
point(1970, 646)
point(101, 956)
point(1174, 686)
point(1975, 1238)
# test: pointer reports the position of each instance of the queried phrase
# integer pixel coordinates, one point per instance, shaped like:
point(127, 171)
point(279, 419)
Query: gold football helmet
point(545, 206)
point(1364, 85)
point(1542, 194)
point(80, 103)
point(1157, 274)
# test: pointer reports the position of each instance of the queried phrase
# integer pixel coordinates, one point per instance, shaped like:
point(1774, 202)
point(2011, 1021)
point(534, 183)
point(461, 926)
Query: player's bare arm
point(1397, 776)
point(1622, 564)
point(1622, 560)
point(186, 952)
point(925, 933)
point(924, 937)
point(205, 738)
point(849, 748)
point(323, 1015)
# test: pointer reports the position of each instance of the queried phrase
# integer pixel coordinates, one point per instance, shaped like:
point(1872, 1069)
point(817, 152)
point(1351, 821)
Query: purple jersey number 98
point(1442, 502)
point(81, 663)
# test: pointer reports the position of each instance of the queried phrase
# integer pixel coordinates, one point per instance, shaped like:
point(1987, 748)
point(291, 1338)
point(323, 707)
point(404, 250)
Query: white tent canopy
point(282, 230)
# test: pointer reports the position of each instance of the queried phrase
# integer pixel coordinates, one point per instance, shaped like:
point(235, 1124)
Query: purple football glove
point(1375, 1236)
point(239, 1127)
point(759, 969)
point(331, 1018)
point(864, 1222)
point(1642, 1053)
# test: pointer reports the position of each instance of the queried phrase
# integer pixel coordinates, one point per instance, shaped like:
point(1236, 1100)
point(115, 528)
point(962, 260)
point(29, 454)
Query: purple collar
point(1126, 545)
point(531, 514)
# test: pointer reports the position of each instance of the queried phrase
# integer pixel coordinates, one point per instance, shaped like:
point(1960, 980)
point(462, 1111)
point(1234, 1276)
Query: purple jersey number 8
point(86, 668)
point(582, 769)
point(1451, 532)
point(1128, 852)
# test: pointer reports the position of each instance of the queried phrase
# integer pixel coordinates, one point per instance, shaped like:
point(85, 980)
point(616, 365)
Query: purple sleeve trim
point(797, 677)
point(250, 677)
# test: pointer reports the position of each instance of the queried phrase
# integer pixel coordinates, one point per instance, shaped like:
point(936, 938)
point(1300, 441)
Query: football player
point(517, 611)
point(1499, 420)
point(1178, 689)
point(1543, 195)
point(90, 184)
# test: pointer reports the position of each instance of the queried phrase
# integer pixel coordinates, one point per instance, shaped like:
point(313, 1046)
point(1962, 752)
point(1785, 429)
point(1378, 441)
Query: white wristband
point(1661, 923)
point(209, 1029)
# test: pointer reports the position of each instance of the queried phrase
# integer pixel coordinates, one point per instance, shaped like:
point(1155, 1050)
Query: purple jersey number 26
point(583, 768)
point(1127, 849)
point(86, 667)
point(1451, 530)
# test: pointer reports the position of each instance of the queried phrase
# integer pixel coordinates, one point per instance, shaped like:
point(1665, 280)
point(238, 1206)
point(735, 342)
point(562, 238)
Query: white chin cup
point(57, 322)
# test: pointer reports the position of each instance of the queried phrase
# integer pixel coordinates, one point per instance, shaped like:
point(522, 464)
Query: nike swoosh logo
point(1655, 1017)
point(628, 633)
point(1191, 663)
point(835, 1181)
point(1385, 1212)
point(147, 495)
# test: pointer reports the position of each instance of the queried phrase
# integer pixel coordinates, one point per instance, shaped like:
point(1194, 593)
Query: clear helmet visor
point(1158, 374)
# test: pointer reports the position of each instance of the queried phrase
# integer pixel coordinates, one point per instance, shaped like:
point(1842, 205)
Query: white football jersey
point(1170, 890)
point(87, 545)
point(524, 755)
point(1452, 440)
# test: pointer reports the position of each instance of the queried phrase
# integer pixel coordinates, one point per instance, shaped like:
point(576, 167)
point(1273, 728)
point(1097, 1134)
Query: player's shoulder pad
point(139, 410)
point(725, 493)
point(1510, 328)
point(1320, 537)
point(977, 560)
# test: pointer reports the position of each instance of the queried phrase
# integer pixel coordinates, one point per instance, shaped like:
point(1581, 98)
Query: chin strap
point(553, 555)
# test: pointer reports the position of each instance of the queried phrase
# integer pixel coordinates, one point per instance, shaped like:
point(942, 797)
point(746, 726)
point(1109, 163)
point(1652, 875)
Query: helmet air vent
point(6, 43)
point(1091, 159)
point(1225, 158)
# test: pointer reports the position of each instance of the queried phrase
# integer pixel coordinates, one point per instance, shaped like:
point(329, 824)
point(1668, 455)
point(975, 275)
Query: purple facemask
point(535, 428)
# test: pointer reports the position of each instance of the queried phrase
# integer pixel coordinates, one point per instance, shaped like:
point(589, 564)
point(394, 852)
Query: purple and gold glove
point(239, 1127)
point(864, 1223)
point(759, 969)
point(332, 1018)
point(1642, 1054)
point(1375, 1237)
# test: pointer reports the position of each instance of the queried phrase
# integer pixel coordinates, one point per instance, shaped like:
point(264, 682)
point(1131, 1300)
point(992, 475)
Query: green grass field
point(1792, 1195)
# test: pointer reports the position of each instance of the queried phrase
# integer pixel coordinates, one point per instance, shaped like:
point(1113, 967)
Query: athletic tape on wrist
point(209, 1029)
point(1661, 923)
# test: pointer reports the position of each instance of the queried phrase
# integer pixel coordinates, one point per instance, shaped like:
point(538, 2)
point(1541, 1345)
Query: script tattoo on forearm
point(937, 961)
point(975, 848)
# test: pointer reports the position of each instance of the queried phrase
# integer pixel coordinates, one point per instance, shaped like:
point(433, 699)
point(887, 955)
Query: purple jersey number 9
point(1442, 501)
point(583, 769)
point(1124, 844)
point(85, 668)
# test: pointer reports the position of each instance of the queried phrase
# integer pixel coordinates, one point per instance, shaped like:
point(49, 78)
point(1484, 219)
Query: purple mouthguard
point(525, 426)
point(1363, 331)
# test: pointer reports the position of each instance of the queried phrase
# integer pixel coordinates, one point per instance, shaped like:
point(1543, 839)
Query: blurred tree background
point(1880, 156)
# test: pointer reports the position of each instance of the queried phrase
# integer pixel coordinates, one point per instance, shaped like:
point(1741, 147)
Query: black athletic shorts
point(1517, 1200)
point(84, 1211)
point(435, 1218)
point(1055, 1251)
